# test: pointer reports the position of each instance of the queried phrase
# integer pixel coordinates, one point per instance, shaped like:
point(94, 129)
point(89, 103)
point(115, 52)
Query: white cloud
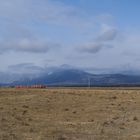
point(91, 47)
point(27, 45)
point(108, 35)
point(94, 47)
point(103, 41)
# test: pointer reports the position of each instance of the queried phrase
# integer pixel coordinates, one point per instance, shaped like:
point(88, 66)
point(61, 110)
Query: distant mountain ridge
point(78, 77)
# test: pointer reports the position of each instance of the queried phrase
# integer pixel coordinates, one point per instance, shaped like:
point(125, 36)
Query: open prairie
point(70, 114)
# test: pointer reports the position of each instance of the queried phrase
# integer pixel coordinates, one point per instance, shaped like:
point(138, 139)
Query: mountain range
point(67, 76)
point(75, 77)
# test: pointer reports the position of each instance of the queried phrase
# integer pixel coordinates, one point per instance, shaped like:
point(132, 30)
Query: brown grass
point(70, 114)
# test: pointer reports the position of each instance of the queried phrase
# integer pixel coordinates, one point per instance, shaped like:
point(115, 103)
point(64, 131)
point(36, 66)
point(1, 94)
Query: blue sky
point(93, 35)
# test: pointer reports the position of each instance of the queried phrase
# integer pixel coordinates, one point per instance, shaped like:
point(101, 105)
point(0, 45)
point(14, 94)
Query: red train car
point(31, 86)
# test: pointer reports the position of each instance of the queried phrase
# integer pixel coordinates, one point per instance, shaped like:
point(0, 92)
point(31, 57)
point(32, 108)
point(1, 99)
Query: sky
point(96, 35)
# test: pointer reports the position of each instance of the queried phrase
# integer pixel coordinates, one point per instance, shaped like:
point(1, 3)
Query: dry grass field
point(70, 114)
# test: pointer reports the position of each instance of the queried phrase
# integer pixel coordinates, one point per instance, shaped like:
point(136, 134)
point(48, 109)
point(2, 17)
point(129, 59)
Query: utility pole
point(89, 81)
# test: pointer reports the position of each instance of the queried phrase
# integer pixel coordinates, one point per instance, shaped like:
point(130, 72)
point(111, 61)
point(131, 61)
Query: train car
point(31, 86)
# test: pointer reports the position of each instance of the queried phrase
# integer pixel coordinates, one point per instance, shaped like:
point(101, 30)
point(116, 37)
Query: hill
point(74, 77)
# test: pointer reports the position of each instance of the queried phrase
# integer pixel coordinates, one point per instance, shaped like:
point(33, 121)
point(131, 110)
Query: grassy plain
point(70, 114)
